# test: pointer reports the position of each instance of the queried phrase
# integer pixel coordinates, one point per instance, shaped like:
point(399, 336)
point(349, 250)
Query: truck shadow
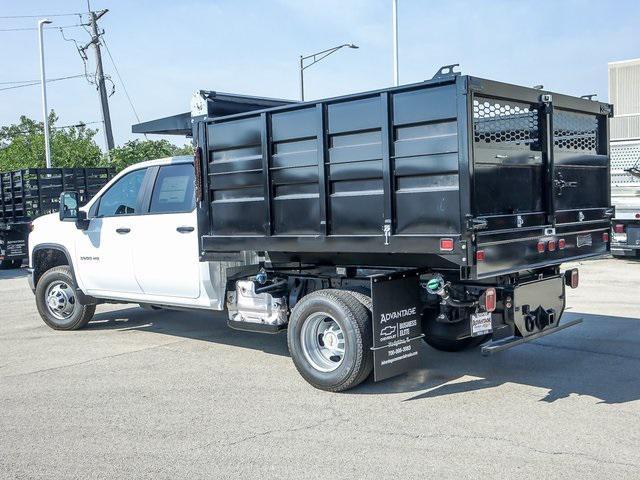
point(599, 358)
point(205, 326)
point(12, 273)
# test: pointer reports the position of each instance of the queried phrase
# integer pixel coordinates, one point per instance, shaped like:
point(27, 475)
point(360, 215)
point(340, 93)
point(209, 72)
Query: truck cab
point(135, 241)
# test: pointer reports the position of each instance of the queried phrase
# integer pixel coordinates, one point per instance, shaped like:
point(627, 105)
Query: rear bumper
point(500, 345)
point(624, 249)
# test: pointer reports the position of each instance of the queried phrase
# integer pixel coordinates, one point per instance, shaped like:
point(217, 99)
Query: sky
point(167, 49)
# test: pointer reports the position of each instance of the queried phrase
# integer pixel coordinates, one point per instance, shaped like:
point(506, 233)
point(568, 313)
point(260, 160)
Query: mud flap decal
point(397, 331)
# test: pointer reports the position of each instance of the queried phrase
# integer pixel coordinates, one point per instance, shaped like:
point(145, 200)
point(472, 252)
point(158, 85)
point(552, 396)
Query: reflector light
point(605, 237)
point(446, 244)
point(562, 244)
point(480, 256)
point(490, 299)
point(574, 278)
point(552, 245)
point(541, 247)
point(618, 228)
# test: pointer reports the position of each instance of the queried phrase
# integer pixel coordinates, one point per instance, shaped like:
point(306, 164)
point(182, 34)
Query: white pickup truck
point(135, 236)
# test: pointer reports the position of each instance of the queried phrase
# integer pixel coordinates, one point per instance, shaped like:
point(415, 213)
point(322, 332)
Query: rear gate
point(541, 191)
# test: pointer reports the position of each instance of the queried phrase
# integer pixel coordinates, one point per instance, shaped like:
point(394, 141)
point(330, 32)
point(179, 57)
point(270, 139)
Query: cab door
point(104, 252)
point(165, 247)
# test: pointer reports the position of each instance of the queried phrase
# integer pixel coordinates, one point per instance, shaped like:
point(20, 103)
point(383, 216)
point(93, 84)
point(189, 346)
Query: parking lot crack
point(91, 360)
point(527, 446)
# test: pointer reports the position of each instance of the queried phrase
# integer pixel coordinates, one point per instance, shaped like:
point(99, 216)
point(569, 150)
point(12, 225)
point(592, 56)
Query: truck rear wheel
point(329, 339)
point(57, 301)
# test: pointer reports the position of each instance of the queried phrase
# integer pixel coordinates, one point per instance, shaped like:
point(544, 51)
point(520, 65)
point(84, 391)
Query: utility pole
point(104, 99)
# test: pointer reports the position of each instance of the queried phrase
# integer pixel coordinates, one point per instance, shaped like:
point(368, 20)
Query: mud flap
point(397, 331)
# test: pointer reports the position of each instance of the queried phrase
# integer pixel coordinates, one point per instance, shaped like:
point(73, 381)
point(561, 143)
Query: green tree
point(22, 145)
point(135, 151)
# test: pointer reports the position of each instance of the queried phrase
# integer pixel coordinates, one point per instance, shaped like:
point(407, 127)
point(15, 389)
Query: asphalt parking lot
point(144, 394)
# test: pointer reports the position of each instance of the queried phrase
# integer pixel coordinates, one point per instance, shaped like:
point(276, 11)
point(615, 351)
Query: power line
point(104, 41)
point(43, 15)
point(77, 125)
point(14, 82)
point(22, 29)
point(62, 127)
point(38, 82)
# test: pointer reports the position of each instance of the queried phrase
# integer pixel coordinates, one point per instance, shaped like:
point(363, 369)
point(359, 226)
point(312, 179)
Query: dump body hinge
point(446, 71)
point(606, 109)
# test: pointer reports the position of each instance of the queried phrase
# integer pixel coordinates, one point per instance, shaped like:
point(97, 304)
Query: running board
point(500, 345)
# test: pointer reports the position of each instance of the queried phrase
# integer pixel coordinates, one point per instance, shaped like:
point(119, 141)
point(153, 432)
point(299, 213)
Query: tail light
point(30, 227)
point(637, 215)
point(541, 247)
point(490, 299)
point(572, 278)
point(618, 228)
point(551, 245)
point(446, 244)
point(605, 237)
point(480, 256)
point(561, 244)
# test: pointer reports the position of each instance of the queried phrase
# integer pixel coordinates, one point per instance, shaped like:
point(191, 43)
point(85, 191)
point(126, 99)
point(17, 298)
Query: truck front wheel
point(57, 301)
point(329, 339)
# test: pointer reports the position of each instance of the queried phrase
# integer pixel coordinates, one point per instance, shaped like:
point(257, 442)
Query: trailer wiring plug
point(438, 286)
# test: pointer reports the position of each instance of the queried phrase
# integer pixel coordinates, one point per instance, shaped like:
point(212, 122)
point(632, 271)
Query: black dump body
point(388, 178)
point(27, 194)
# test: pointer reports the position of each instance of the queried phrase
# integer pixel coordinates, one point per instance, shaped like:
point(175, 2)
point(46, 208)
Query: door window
point(174, 191)
point(122, 197)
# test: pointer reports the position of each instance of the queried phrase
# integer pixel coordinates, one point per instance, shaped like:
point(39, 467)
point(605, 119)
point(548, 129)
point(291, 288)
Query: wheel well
point(45, 259)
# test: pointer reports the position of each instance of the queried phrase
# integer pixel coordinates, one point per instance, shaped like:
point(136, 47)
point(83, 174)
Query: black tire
point(355, 322)
point(453, 345)
point(8, 264)
point(363, 299)
point(79, 314)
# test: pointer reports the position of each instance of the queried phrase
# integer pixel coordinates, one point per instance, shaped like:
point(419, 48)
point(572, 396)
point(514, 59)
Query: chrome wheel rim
point(60, 300)
point(323, 343)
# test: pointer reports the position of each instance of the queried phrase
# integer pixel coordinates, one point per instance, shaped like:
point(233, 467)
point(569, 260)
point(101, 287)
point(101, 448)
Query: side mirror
point(69, 211)
point(68, 206)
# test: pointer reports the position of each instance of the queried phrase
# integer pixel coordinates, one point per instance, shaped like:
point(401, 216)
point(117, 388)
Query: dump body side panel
point(371, 174)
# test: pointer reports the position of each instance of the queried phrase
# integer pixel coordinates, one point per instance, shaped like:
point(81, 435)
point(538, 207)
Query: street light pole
point(316, 57)
point(301, 78)
point(396, 74)
point(43, 83)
